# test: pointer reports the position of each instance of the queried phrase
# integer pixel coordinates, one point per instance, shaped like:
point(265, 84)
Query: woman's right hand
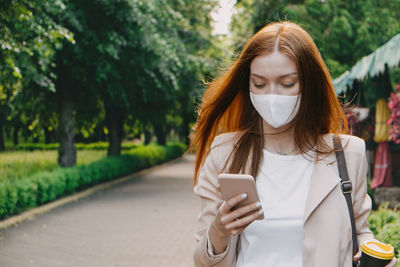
point(232, 222)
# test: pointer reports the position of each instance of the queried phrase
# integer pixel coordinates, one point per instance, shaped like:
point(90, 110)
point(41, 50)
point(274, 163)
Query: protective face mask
point(276, 110)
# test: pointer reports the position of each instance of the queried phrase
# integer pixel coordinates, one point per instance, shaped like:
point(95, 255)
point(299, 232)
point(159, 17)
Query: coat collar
point(323, 180)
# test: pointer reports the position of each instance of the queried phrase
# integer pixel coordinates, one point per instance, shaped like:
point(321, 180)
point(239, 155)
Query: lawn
point(17, 164)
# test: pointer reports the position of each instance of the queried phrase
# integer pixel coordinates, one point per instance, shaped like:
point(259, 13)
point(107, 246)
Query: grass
point(27, 183)
point(18, 164)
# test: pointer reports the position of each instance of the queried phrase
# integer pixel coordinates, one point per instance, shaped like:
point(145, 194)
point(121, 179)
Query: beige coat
point(327, 237)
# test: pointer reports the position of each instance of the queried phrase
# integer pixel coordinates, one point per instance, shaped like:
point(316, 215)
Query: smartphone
point(235, 184)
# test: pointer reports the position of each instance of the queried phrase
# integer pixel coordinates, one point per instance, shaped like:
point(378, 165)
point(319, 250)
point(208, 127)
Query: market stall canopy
point(370, 65)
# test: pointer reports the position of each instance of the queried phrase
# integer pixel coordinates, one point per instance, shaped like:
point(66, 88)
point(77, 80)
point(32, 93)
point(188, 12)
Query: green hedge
point(79, 146)
point(21, 194)
point(385, 224)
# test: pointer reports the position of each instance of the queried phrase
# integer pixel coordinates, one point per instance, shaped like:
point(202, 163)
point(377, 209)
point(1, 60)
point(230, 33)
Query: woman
point(273, 115)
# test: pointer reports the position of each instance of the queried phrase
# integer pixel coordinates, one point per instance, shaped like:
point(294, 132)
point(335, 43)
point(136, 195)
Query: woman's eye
point(259, 85)
point(288, 85)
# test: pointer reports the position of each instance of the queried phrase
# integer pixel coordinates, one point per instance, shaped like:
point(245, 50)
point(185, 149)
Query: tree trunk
point(26, 136)
point(2, 145)
point(185, 128)
point(115, 125)
point(15, 134)
point(55, 135)
point(47, 135)
point(67, 150)
point(36, 139)
point(147, 136)
point(186, 114)
point(96, 136)
point(7, 130)
point(161, 133)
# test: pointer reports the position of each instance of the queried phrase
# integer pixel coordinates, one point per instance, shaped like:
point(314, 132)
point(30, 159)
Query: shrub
point(3, 200)
point(385, 224)
point(20, 164)
point(79, 146)
point(42, 187)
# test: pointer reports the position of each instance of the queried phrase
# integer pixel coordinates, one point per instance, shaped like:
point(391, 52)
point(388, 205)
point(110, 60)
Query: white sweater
point(282, 185)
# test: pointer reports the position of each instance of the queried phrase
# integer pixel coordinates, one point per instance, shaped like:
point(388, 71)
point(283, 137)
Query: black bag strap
point(346, 187)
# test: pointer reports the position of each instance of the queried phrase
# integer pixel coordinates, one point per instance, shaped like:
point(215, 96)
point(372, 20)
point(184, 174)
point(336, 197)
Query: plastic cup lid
point(378, 250)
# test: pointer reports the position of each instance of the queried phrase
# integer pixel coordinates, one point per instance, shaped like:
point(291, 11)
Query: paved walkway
point(147, 221)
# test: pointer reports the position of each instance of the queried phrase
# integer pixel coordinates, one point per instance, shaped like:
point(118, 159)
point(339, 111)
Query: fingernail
point(233, 232)
point(258, 205)
point(244, 195)
point(261, 212)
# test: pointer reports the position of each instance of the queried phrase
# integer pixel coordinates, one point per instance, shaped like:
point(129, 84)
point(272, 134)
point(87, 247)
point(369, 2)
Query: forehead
point(272, 65)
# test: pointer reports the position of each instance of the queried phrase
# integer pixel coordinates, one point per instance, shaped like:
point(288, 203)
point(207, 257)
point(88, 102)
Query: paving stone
point(148, 220)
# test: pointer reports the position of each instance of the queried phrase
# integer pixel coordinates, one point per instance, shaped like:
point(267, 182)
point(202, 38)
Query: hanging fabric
point(382, 167)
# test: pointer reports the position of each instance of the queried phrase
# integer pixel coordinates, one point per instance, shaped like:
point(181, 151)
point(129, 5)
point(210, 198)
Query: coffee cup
point(376, 254)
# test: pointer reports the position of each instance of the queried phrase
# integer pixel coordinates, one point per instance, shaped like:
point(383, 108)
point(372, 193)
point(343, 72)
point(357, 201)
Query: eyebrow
point(285, 75)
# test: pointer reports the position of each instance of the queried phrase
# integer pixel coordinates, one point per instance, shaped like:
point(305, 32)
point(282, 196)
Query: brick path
point(147, 221)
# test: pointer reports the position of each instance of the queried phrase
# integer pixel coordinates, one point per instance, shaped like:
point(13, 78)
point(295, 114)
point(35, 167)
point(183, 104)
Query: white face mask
point(276, 110)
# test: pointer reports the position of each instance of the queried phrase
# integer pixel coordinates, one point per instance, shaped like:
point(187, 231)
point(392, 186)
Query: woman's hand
point(233, 222)
point(228, 222)
point(357, 257)
point(392, 263)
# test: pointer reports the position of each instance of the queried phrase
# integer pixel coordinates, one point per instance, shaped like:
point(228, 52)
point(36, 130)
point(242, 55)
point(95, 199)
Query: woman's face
point(274, 74)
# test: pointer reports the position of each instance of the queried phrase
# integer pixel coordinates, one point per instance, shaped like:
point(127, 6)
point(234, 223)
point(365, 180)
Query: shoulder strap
point(346, 187)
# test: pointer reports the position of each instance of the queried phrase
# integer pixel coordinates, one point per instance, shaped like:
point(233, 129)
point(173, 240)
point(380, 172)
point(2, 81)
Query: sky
point(222, 16)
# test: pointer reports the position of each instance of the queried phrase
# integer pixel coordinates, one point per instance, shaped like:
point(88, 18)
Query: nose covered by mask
point(276, 110)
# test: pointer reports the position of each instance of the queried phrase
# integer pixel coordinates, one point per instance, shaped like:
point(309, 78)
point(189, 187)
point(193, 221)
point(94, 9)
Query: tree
point(200, 59)
point(28, 39)
point(344, 31)
point(128, 59)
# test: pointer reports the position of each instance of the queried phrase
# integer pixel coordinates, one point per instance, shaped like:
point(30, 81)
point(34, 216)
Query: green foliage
point(385, 225)
point(344, 31)
point(139, 62)
point(17, 195)
point(20, 164)
point(79, 146)
point(29, 37)
point(36, 146)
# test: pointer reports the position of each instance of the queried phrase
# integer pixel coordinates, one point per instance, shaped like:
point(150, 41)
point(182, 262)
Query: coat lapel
point(323, 181)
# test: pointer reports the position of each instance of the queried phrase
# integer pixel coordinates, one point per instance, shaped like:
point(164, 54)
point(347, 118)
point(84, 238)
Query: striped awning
point(371, 65)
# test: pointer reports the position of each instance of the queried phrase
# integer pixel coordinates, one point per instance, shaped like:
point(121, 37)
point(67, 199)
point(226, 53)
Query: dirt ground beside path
point(146, 221)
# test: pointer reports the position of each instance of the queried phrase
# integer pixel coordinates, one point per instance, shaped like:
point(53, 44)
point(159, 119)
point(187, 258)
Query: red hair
point(226, 105)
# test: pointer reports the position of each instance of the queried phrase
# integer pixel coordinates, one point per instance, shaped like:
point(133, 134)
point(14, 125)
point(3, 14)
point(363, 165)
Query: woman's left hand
point(357, 257)
point(392, 263)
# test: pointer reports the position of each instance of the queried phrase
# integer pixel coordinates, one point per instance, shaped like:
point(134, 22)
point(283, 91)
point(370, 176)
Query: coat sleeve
point(207, 189)
point(361, 200)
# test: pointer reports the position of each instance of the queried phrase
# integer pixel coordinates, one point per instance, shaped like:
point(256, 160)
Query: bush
point(385, 224)
point(20, 164)
point(42, 187)
point(79, 146)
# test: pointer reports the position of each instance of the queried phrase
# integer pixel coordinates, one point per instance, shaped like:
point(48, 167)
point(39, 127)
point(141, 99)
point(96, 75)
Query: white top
point(282, 185)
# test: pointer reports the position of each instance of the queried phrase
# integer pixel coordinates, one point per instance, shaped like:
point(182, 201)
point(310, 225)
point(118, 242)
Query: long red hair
point(226, 105)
